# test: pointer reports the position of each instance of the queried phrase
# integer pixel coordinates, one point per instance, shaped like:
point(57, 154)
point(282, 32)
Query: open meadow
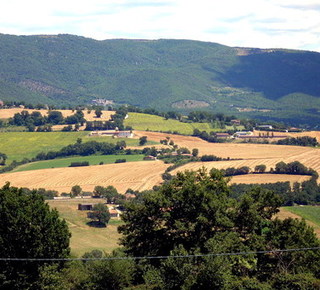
point(84, 237)
point(140, 175)
point(65, 162)
point(140, 121)
point(19, 145)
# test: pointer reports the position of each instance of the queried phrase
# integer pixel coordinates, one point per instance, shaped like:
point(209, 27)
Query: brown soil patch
point(140, 175)
point(9, 113)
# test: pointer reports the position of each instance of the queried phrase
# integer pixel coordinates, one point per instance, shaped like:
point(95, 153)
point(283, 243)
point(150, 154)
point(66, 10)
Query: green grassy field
point(309, 213)
point(85, 238)
point(65, 162)
point(19, 145)
point(140, 121)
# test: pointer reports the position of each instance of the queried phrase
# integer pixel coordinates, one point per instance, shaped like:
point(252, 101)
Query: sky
point(293, 24)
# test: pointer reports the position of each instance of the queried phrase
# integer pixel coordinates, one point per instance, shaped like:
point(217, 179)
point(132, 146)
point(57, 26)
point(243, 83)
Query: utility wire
point(161, 257)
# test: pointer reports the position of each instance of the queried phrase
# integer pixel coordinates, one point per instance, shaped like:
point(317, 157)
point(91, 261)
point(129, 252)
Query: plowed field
point(135, 175)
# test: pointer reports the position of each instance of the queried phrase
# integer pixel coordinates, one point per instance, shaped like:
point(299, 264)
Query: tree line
point(299, 141)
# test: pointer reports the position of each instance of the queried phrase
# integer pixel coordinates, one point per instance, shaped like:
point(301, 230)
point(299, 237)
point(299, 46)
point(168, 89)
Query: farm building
point(113, 133)
point(243, 133)
point(114, 213)
point(265, 127)
point(85, 206)
point(235, 122)
point(149, 157)
point(223, 135)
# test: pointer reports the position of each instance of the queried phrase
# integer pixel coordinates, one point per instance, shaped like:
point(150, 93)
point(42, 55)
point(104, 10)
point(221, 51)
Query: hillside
point(165, 74)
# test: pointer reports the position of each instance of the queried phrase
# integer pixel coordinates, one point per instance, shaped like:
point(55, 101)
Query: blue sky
point(252, 23)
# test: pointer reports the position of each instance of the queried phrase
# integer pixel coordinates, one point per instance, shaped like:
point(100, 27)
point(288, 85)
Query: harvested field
point(140, 175)
point(313, 134)
point(8, 113)
point(270, 178)
point(249, 154)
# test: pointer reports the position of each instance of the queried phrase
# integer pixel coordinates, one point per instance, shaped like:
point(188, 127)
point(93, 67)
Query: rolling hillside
point(165, 74)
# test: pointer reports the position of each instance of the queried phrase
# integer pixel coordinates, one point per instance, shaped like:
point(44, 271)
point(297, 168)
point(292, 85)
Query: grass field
point(19, 145)
point(85, 238)
point(310, 213)
point(140, 121)
point(65, 162)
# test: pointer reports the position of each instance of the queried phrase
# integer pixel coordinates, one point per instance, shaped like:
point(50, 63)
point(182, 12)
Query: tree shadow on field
point(96, 224)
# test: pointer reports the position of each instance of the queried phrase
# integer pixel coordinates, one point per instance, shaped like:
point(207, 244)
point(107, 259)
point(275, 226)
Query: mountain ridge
point(66, 69)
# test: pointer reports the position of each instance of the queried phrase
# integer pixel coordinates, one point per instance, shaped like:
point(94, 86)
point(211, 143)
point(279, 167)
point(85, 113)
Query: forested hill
point(166, 74)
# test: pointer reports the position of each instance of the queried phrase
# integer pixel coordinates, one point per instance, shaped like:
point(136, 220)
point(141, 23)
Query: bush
point(78, 164)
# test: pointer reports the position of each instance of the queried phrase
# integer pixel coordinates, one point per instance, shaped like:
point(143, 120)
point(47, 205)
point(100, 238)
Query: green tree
point(55, 117)
point(98, 113)
point(3, 158)
point(143, 140)
point(28, 229)
point(193, 214)
point(110, 193)
point(184, 211)
point(260, 168)
point(195, 152)
point(76, 190)
point(100, 213)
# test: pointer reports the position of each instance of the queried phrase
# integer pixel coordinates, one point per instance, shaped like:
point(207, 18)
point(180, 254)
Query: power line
point(160, 257)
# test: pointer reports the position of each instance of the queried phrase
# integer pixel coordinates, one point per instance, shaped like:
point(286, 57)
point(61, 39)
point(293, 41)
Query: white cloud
point(255, 23)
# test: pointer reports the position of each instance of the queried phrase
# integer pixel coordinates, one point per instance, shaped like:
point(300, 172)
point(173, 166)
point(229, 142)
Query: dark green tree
point(76, 190)
point(28, 229)
point(55, 117)
point(100, 213)
point(143, 140)
point(3, 158)
point(98, 113)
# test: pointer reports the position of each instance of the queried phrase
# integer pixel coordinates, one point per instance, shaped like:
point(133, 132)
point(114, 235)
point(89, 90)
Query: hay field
point(313, 134)
point(139, 175)
point(8, 113)
point(85, 238)
point(250, 154)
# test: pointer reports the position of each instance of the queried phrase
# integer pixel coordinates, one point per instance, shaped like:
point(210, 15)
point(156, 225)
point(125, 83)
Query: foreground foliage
point(28, 229)
point(193, 214)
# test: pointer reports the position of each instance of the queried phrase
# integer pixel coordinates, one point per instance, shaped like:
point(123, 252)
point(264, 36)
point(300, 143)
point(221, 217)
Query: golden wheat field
point(249, 154)
point(271, 178)
point(8, 113)
point(140, 175)
point(313, 134)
